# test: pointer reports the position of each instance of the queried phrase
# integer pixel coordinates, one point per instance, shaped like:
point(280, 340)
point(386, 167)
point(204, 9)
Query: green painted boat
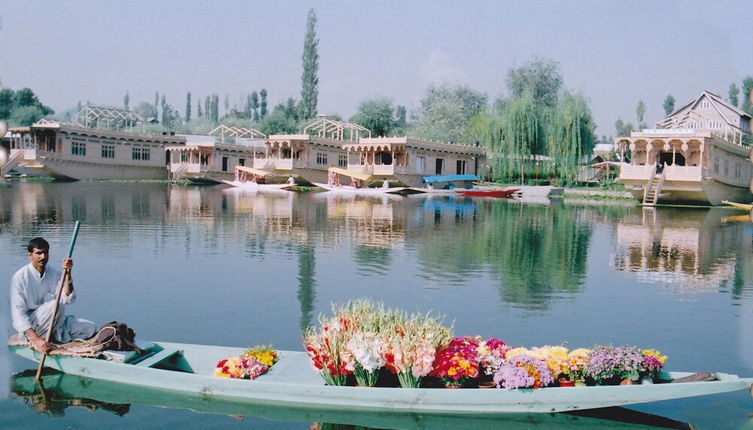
point(187, 368)
point(60, 391)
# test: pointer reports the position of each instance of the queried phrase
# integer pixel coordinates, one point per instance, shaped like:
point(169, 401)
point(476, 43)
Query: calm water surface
point(211, 266)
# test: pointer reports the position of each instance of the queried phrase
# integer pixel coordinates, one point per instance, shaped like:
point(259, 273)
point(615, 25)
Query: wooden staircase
point(13, 162)
point(653, 188)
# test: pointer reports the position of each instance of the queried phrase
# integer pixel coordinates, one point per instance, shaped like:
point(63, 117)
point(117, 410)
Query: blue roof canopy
point(449, 178)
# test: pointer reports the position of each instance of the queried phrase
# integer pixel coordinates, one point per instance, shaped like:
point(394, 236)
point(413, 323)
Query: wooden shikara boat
point(59, 391)
point(187, 368)
point(741, 206)
point(501, 194)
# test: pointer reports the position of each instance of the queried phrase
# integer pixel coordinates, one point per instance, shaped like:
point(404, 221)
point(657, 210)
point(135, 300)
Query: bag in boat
point(116, 336)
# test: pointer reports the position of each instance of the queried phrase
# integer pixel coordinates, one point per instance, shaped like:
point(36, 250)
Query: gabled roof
point(715, 100)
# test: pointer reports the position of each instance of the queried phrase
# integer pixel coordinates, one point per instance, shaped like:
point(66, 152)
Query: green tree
point(309, 76)
point(669, 104)
point(446, 110)
point(255, 105)
point(401, 117)
point(747, 104)
point(26, 115)
point(156, 103)
point(126, 100)
point(733, 93)
point(188, 106)
point(640, 111)
point(280, 121)
point(541, 77)
point(263, 103)
point(208, 107)
point(377, 115)
point(6, 102)
point(521, 134)
point(198, 108)
point(622, 129)
point(215, 108)
point(571, 137)
point(145, 110)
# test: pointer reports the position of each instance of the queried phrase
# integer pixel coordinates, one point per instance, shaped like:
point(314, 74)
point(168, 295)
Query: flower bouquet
point(457, 362)
point(574, 367)
point(491, 354)
point(411, 348)
point(366, 349)
point(523, 371)
point(327, 351)
point(609, 365)
point(653, 362)
point(249, 365)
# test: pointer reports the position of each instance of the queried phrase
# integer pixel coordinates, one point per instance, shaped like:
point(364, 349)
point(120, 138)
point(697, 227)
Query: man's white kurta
point(29, 291)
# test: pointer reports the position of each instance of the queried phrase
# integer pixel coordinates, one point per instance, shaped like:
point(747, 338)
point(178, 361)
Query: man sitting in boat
point(32, 300)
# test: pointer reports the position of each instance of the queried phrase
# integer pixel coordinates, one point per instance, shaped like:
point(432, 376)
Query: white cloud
point(439, 68)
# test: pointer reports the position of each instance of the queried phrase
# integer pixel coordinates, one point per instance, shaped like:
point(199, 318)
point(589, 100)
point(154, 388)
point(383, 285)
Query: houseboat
point(699, 154)
point(214, 157)
point(79, 151)
point(407, 160)
point(308, 156)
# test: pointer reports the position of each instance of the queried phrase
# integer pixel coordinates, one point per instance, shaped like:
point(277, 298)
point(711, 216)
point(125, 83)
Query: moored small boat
point(497, 193)
point(291, 381)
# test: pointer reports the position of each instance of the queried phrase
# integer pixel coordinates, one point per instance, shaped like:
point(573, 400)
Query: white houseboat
point(408, 161)
point(74, 151)
point(697, 155)
point(308, 156)
point(213, 158)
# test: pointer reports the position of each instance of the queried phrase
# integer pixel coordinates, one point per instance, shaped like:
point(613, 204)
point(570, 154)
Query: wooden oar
point(57, 300)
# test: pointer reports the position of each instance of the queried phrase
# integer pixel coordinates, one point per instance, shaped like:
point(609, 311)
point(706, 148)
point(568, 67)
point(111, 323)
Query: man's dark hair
point(37, 243)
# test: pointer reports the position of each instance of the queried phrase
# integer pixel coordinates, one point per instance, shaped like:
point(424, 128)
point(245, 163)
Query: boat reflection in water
point(690, 250)
point(62, 391)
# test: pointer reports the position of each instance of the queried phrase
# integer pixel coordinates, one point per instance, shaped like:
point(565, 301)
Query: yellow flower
point(655, 353)
point(516, 351)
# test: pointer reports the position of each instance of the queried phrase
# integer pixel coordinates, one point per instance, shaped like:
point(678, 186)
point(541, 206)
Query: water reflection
point(60, 391)
point(690, 250)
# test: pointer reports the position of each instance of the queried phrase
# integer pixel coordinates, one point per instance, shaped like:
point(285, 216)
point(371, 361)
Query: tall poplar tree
point(733, 92)
point(263, 103)
point(188, 106)
point(747, 104)
point(126, 99)
point(309, 76)
point(254, 105)
point(669, 104)
point(640, 112)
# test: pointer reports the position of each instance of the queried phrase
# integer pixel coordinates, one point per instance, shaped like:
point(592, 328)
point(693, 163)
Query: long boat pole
point(57, 300)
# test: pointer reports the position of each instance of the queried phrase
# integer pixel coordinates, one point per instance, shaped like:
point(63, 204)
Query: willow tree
point(522, 135)
point(571, 135)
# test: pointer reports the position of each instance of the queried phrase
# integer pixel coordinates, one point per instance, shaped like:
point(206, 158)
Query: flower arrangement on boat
point(457, 362)
point(371, 342)
point(253, 363)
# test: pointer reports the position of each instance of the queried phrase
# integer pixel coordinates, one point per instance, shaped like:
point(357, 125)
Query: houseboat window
point(183, 157)
point(78, 149)
point(108, 151)
point(716, 165)
point(438, 169)
point(241, 161)
point(461, 167)
point(204, 160)
point(285, 153)
point(321, 158)
point(737, 169)
point(420, 165)
point(342, 160)
point(726, 167)
point(296, 155)
point(140, 154)
point(383, 158)
point(224, 164)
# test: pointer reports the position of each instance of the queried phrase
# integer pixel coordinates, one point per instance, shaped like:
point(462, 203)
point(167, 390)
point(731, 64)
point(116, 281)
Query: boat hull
point(293, 382)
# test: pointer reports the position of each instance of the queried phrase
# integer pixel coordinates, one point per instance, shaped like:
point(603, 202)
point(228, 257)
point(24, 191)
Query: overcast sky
point(615, 53)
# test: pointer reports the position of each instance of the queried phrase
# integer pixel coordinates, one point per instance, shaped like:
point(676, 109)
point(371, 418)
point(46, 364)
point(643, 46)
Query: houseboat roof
point(714, 99)
point(257, 172)
point(66, 127)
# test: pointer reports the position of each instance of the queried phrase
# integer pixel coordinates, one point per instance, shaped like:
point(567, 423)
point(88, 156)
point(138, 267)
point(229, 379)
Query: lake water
point(212, 266)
